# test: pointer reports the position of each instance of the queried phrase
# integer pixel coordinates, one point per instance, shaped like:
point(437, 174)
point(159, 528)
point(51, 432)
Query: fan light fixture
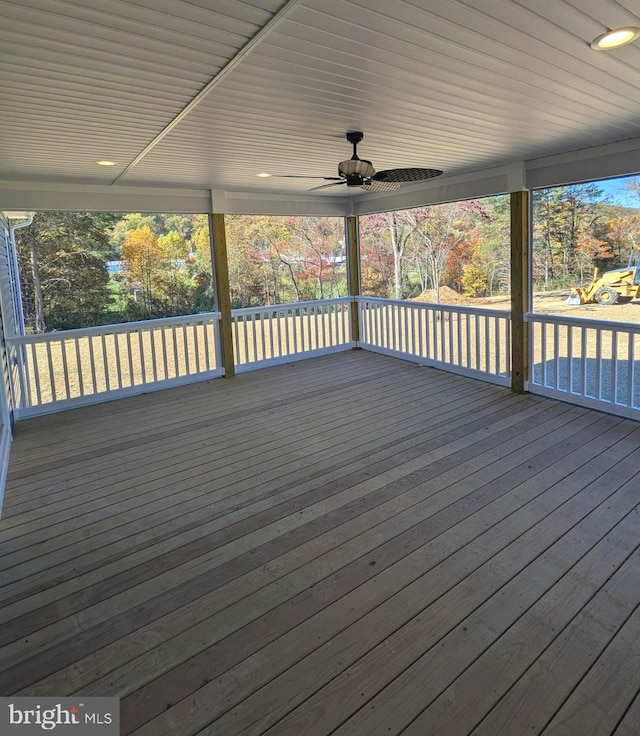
point(356, 166)
point(614, 39)
point(358, 172)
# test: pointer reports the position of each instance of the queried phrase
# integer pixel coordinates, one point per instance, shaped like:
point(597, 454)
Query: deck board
point(351, 545)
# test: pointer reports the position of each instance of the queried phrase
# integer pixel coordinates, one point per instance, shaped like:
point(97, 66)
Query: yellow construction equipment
point(611, 287)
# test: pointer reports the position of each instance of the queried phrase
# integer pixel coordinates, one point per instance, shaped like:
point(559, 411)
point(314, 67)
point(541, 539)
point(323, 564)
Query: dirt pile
point(447, 295)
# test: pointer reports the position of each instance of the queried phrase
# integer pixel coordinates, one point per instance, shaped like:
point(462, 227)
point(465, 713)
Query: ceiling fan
point(357, 172)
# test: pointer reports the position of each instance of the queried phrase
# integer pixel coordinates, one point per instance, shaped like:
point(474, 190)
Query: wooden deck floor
point(348, 545)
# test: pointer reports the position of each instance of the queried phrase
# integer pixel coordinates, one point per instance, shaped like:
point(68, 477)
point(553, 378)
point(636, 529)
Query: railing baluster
point(583, 361)
point(556, 357)
point(116, 342)
point(76, 346)
point(282, 335)
point(434, 331)
point(92, 360)
point(130, 359)
point(65, 368)
point(174, 341)
point(52, 380)
point(631, 372)
point(294, 318)
point(142, 357)
point(497, 342)
point(235, 321)
point(196, 345)
point(322, 335)
point(570, 359)
point(614, 366)
point(105, 362)
point(467, 342)
point(205, 338)
point(273, 316)
point(263, 333)
point(507, 331)
point(185, 345)
point(245, 332)
point(598, 377)
point(165, 363)
point(543, 350)
point(476, 324)
point(309, 329)
point(36, 363)
point(154, 362)
point(487, 345)
point(254, 334)
point(271, 343)
point(385, 326)
point(373, 335)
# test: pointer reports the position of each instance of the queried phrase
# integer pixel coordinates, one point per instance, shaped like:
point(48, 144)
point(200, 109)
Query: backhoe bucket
point(575, 298)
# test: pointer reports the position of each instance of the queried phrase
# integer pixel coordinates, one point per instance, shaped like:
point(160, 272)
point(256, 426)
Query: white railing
point(284, 332)
point(61, 370)
point(466, 340)
point(593, 363)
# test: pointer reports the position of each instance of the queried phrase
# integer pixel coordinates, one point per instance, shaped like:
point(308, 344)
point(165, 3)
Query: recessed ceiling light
point(263, 175)
point(106, 163)
point(614, 39)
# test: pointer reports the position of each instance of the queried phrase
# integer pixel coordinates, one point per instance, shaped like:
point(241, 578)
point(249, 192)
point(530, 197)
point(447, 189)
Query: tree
point(492, 252)
point(143, 266)
point(399, 226)
point(565, 230)
point(279, 259)
point(441, 232)
point(62, 261)
point(200, 265)
point(175, 285)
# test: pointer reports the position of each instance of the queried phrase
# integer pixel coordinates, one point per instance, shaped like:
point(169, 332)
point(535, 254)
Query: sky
point(618, 191)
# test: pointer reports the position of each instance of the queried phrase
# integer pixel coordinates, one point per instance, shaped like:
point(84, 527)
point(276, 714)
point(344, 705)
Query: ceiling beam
point(265, 31)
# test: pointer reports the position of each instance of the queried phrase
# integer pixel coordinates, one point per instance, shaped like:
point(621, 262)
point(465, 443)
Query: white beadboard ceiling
point(207, 93)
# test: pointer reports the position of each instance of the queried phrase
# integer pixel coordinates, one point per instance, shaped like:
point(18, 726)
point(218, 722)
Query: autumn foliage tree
point(159, 273)
point(428, 246)
point(278, 259)
point(143, 266)
point(62, 260)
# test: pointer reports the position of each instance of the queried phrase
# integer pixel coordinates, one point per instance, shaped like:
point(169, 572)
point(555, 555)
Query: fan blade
point(404, 175)
point(302, 176)
point(371, 185)
point(324, 186)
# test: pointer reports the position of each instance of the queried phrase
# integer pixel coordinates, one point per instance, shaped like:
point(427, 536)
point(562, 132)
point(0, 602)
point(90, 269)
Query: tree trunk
point(38, 299)
point(398, 248)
